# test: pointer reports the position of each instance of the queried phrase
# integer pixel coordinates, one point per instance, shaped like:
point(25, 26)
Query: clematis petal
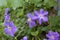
point(14, 29)
point(11, 24)
point(29, 15)
point(6, 23)
point(11, 33)
point(50, 32)
point(6, 11)
point(45, 19)
point(57, 38)
point(34, 17)
point(32, 24)
point(48, 36)
point(6, 18)
point(45, 13)
point(40, 21)
point(41, 11)
point(36, 13)
point(57, 34)
point(6, 30)
point(24, 38)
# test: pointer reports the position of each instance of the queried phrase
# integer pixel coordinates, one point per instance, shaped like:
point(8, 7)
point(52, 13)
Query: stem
point(19, 32)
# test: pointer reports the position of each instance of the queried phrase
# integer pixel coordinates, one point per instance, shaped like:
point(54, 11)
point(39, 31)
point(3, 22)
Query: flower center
point(40, 16)
point(52, 37)
point(29, 19)
point(9, 28)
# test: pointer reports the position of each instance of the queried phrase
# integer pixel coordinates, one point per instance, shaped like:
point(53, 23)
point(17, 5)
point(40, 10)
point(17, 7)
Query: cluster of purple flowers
point(52, 35)
point(40, 15)
point(10, 28)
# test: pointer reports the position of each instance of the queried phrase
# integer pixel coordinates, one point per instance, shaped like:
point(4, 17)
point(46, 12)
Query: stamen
point(29, 19)
point(40, 16)
point(52, 37)
point(9, 28)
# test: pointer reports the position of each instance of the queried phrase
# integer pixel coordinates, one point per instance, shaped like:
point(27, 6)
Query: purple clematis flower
point(52, 35)
point(24, 38)
point(6, 16)
point(10, 29)
point(30, 21)
point(41, 16)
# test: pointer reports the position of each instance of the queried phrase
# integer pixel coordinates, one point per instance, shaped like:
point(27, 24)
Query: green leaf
point(3, 2)
point(0, 38)
point(16, 3)
point(58, 30)
point(35, 33)
point(35, 1)
point(45, 28)
point(52, 21)
point(20, 12)
point(49, 3)
point(26, 0)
